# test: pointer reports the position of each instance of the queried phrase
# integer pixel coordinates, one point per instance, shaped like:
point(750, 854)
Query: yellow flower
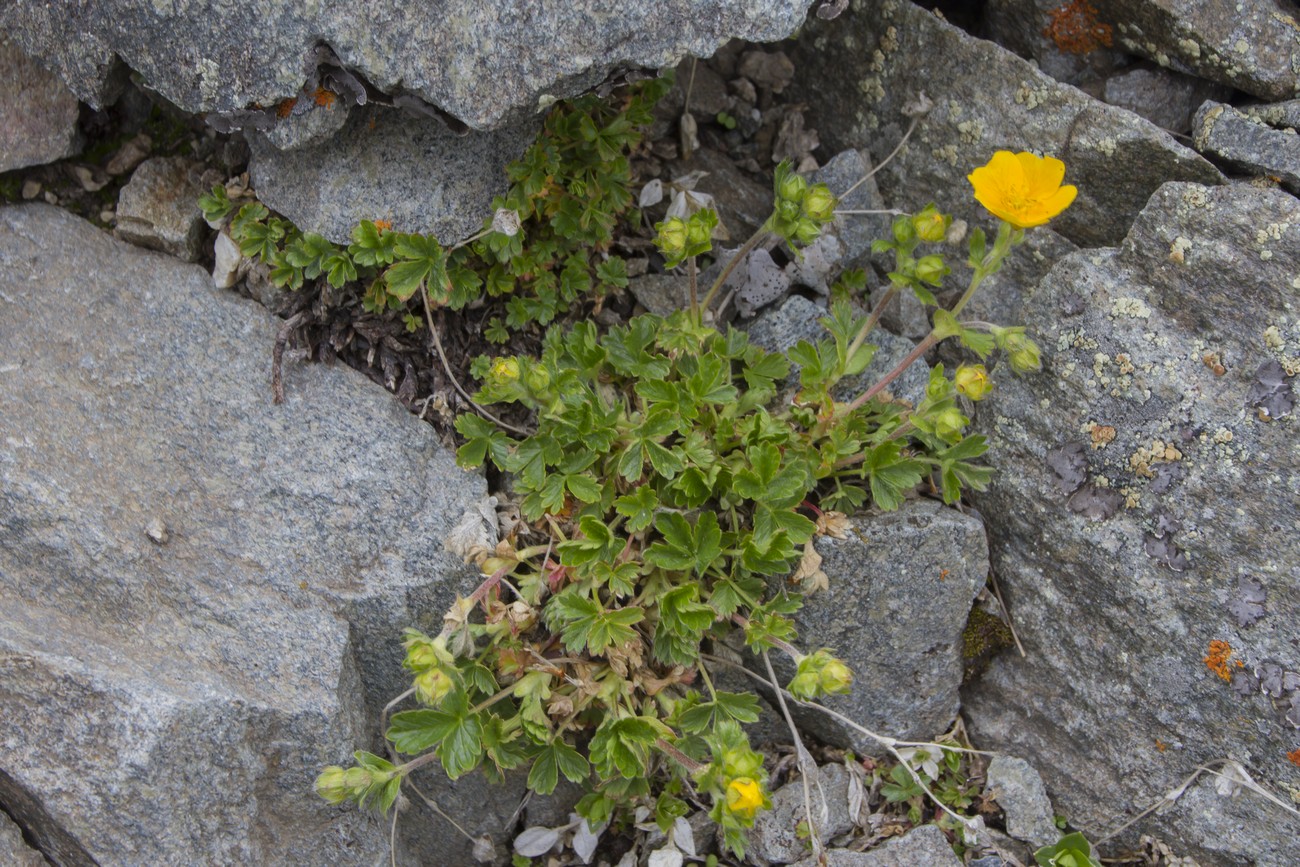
point(1023, 189)
point(744, 797)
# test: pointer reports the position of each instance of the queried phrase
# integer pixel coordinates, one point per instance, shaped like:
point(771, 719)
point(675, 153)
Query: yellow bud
point(973, 381)
point(504, 369)
point(672, 236)
point(744, 797)
point(930, 225)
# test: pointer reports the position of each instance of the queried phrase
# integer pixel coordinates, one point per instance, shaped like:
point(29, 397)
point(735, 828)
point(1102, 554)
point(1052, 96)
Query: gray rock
point(901, 589)
point(780, 328)
point(925, 846)
point(1166, 98)
point(1020, 793)
point(774, 839)
point(1282, 115)
point(38, 115)
point(1154, 351)
point(664, 294)
point(859, 73)
point(159, 207)
point(487, 64)
point(201, 593)
point(856, 232)
point(315, 125)
point(1249, 44)
point(390, 165)
point(14, 851)
point(1247, 144)
point(1022, 26)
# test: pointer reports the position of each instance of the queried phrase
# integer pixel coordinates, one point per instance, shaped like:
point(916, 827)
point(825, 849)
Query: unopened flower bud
point(904, 231)
point(819, 203)
point(741, 762)
point(432, 686)
point(931, 269)
point(1021, 351)
point(504, 370)
point(537, 378)
point(332, 786)
point(806, 232)
point(671, 239)
point(930, 225)
point(792, 188)
point(949, 423)
point(973, 381)
point(836, 677)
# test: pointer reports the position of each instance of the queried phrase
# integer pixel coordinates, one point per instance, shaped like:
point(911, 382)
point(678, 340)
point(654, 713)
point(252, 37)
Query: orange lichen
point(285, 108)
point(1216, 660)
point(383, 225)
point(1074, 28)
point(324, 98)
point(1161, 746)
point(1294, 757)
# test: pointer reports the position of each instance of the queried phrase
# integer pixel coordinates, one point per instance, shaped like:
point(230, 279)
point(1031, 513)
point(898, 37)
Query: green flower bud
point(1022, 352)
point(806, 682)
point(671, 239)
point(930, 225)
point(332, 786)
point(973, 381)
point(788, 212)
point(806, 231)
point(741, 762)
point(432, 686)
point(819, 203)
point(504, 370)
point(904, 231)
point(357, 780)
point(949, 423)
point(931, 269)
point(423, 652)
point(836, 677)
point(537, 378)
point(791, 188)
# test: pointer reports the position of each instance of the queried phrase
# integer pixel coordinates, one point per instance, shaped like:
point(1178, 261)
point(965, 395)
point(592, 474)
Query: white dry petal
point(585, 841)
point(684, 836)
point(506, 222)
point(665, 857)
point(484, 851)
point(651, 194)
point(536, 841)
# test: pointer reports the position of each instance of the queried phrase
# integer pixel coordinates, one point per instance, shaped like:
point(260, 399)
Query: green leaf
point(483, 438)
point(685, 548)
point(725, 706)
point(557, 758)
point(621, 747)
point(215, 205)
point(420, 261)
point(681, 611)
point(371, 247)
point(891, 474)
point(584, 622)
point(638, 507)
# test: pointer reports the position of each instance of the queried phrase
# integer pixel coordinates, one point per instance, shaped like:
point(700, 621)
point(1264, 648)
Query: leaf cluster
point(567, 193)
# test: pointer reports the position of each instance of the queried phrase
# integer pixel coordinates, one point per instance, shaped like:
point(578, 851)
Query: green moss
point(985, 637)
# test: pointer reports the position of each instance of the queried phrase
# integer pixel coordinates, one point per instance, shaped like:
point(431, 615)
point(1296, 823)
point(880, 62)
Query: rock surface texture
point(487, 64)
point(38, 115)
point(1248, 144)
point(195, 584)
point(921, 847)
point(390, 165)
point(1252, 45)
point(1146, 537)
point(158, 208)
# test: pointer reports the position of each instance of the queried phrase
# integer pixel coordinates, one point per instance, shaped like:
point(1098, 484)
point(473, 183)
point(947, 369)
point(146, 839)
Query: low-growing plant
point(678, 491)
point(546, 245)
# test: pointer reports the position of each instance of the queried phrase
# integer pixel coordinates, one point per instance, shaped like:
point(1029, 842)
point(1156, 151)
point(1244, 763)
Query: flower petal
point(1060, 200)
